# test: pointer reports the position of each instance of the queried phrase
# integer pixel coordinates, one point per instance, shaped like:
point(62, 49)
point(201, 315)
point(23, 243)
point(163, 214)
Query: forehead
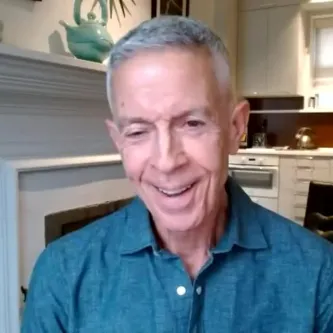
point(165, 82)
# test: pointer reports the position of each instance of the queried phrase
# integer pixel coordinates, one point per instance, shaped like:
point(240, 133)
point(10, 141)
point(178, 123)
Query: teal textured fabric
point(266, 275)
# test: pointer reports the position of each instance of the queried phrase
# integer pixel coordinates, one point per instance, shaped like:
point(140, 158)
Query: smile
point(175, 192)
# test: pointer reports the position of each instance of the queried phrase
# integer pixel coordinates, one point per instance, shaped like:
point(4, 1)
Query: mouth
point(175, 192)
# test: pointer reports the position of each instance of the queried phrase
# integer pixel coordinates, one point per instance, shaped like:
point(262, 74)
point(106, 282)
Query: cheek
point(134, 161)
point(206, 152)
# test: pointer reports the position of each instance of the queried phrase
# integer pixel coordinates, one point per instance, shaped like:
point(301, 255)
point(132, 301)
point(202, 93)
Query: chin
point(177, 222)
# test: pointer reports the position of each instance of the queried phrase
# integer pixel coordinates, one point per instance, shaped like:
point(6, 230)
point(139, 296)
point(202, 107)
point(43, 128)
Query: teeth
point(174, 192)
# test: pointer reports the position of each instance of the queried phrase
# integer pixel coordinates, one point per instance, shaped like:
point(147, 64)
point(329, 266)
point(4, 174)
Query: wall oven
point(257, 175)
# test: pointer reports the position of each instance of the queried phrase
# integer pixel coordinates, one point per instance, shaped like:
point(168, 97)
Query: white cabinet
point(252, 52)
point(295, 176)
point(226, 26)
point(222, 17)
point(283, 50)
point(269, 51)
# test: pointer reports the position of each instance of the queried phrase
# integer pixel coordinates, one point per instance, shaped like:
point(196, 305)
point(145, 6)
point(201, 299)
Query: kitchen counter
point(320, 152)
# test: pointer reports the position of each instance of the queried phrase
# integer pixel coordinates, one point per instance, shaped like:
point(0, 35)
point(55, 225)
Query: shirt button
point(199, 290)
point(181, 290)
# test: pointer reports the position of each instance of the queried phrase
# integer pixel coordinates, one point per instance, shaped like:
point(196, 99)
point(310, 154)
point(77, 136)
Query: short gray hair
point(169, 31)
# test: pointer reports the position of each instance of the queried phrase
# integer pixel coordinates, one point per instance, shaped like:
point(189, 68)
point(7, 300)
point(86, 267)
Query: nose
point(168, 152)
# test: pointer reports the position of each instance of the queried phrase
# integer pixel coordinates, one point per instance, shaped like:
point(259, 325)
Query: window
point(322, 59)
point(323, 52)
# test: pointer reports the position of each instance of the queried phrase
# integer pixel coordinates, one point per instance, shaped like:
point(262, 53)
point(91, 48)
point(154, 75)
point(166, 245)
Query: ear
point(239, 121)
point(114, 133)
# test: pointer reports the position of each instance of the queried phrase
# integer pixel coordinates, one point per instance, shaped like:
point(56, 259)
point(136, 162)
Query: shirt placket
point(179, 288)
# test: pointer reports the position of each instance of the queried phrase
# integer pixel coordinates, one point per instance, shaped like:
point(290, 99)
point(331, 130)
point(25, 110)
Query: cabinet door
point(252, 52)
point(226, 26)
point(283, 50)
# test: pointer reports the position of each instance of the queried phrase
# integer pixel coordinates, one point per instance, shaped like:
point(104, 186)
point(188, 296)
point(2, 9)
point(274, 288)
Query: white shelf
point(274, 111)
point(318, 110)
point(320, 152)
point(318, 6)
point(31, 72)
point(54, 59)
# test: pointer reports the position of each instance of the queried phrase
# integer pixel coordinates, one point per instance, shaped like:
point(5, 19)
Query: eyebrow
point(197, 111)
point(127, 121)
point(194, 112)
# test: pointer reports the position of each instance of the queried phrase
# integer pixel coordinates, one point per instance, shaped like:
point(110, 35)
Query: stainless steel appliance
point(259, 139)
point(258, 176)
point(305, 138)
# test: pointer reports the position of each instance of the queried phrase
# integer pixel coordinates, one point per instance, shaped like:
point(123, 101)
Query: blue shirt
point(266, 275)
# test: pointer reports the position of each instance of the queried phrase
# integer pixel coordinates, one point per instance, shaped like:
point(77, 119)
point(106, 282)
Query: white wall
point(203, 10)
point(35, 25)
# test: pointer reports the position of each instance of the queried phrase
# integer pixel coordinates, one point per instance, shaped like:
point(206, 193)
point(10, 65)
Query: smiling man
point(192, 252)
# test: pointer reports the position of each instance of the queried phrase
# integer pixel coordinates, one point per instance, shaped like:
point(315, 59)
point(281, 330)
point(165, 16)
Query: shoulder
point(293, 241)
point(302, 263)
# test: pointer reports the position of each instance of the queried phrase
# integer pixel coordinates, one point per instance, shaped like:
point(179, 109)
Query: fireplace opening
point(61, 223)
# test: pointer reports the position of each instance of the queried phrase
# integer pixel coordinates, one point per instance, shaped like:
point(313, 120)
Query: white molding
point(58, 60)
point(318, 6)
point(51, 105)
point(41, 164)
point(9, 269)
point(30, 72)
point(10, 171)
point(308, 110)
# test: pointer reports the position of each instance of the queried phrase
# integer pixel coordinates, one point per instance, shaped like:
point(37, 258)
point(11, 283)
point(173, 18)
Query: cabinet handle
point(303, 181)
point(304, 194)
point(305, 158)
point(301, 167)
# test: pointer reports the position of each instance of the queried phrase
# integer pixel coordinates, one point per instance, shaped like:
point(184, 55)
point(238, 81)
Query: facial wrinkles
point(154, 105)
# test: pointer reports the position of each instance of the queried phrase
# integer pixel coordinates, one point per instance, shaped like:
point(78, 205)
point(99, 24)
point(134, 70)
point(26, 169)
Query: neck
point(193, 246)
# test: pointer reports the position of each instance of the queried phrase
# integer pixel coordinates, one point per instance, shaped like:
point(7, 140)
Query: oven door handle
point(234, 167)
point(253, 171)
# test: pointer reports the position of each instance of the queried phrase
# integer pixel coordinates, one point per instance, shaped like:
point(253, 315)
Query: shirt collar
point(138, 232)
point(243, 227)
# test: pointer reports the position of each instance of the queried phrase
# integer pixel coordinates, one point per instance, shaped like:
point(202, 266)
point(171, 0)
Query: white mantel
point(55, 154)
point(51, 105)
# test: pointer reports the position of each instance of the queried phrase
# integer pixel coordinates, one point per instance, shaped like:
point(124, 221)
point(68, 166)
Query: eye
point(195, 123)
point(135, 134)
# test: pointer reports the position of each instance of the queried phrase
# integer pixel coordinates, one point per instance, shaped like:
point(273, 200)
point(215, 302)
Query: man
point(191, 253)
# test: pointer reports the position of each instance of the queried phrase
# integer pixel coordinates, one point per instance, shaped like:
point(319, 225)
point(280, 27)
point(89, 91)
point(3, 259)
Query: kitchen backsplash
point(281, 128)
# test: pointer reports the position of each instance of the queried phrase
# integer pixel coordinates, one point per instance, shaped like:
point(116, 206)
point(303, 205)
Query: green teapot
point(89, 40)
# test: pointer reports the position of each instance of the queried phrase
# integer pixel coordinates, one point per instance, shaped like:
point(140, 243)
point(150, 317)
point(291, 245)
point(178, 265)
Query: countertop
point(320, 152)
